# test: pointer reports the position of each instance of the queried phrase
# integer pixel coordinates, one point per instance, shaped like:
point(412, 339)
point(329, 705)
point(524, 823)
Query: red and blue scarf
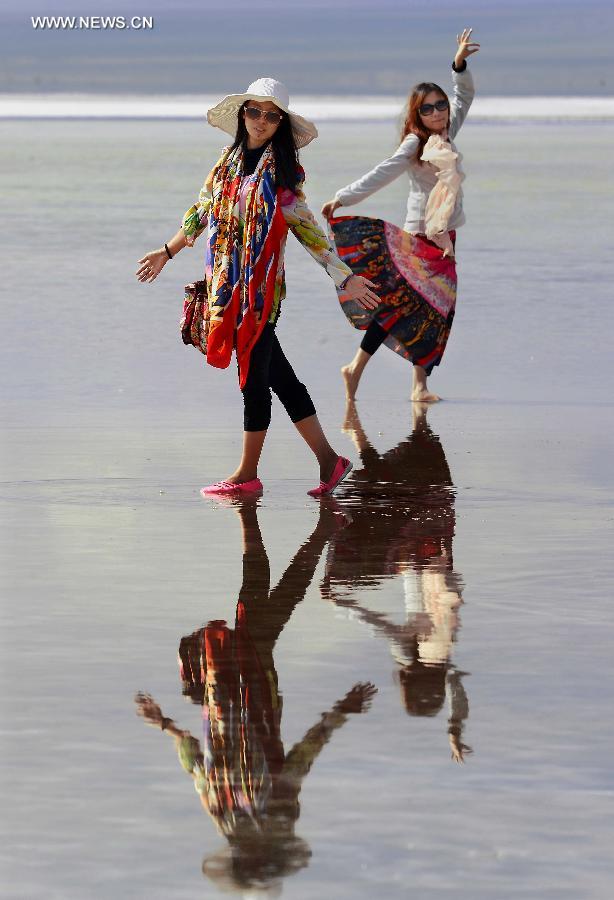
point(242, 262)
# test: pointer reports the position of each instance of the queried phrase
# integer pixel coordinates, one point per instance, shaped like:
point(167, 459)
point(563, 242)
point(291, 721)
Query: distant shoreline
point(322, 109)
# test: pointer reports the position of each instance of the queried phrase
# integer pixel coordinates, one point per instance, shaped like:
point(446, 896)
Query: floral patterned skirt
point(415, 282)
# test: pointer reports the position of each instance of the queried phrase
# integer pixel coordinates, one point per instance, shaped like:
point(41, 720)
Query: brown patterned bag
point(194, 322)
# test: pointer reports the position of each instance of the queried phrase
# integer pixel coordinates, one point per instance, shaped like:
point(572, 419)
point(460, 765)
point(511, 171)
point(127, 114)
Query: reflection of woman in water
point(413, 538)
point(245, 780)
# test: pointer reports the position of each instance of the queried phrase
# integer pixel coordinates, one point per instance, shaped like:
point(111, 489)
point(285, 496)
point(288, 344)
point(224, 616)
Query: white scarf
point(442, 199)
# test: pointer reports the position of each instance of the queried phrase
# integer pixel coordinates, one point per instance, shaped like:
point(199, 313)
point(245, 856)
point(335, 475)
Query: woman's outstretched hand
point(459, 750)
point(147, 707)
point(328, 210)
point(465, 47)
point(358, 288)
point(358, 700)
point(151, 265)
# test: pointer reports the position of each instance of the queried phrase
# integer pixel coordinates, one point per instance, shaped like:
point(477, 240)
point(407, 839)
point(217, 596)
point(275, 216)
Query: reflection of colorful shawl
point(413, 278)
point(442, 198)
point(242, 745)
point(242, 263)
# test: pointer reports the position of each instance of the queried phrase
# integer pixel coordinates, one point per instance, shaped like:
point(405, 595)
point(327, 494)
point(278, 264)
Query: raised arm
point(464, 90)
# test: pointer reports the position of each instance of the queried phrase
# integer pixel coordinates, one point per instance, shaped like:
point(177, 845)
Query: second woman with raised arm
point(413, 268)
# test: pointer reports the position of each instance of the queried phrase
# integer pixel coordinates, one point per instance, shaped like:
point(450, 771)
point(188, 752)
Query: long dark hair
point(412, 123)
point(284, 148)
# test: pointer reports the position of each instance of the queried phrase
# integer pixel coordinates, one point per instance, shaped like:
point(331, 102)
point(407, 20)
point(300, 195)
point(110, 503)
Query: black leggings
point(270, 370)
point(374, 337)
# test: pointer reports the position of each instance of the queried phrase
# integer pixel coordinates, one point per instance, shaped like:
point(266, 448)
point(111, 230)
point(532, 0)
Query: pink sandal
point(224, 488)
point(342, 468)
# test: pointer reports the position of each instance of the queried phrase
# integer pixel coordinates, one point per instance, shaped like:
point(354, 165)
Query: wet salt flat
point(404, 689)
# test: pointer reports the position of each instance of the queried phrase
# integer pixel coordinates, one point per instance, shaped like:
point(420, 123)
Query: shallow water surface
point(404, 685)
point(404, 689)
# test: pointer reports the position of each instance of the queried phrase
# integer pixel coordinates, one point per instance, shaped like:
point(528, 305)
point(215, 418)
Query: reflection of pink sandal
point(342, 468)
point(224, 488)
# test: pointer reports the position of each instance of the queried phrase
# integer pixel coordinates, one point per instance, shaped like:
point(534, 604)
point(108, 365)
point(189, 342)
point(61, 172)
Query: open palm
point(465, 46)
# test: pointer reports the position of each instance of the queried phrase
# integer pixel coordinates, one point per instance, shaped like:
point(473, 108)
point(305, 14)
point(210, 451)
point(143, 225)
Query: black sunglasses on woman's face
point(427, 109)
point(273, 118)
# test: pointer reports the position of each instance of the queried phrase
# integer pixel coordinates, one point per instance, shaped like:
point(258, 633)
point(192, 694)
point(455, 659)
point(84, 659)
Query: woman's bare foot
point(421, 395)
point(351, 379)
point(352, 373)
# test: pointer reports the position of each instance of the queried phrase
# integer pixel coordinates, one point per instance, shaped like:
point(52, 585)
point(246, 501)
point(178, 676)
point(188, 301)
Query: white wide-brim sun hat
point(225, 114)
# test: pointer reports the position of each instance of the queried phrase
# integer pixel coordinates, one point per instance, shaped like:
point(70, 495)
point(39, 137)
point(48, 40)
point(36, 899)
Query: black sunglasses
point(427, 109)
point(273, 118)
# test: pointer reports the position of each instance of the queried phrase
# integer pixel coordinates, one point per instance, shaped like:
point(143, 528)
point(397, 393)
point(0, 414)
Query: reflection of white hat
point(226, 114)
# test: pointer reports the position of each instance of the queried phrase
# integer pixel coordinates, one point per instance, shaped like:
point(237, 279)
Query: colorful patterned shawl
point(242, 262)
point(242, 749)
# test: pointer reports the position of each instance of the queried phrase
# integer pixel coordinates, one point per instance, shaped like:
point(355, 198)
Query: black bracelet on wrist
point(460, 68)
point(344, 283)
point(170, 255)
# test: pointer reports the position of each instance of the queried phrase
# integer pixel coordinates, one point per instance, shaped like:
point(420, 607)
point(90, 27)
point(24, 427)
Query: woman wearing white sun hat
point(249, 200)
